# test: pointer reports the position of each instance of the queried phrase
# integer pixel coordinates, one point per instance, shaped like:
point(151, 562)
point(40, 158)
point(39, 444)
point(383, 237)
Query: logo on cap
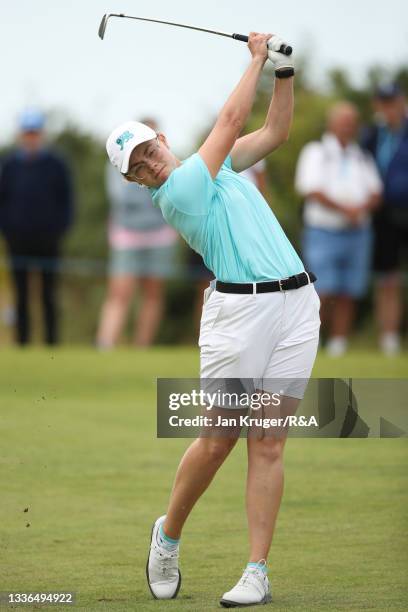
point(124, 138)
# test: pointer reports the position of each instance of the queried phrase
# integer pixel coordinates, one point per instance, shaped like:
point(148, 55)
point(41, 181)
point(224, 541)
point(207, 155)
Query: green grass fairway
point(78, 449)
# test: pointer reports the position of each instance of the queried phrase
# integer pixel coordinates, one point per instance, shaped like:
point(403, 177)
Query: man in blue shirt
point(260, 318)
point(387, 141)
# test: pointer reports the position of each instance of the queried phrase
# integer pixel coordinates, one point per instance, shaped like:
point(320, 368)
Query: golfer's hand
point(278, 59)
point(257, 44)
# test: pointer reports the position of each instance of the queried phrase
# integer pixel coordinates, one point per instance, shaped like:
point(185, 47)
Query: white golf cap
point(123, 139)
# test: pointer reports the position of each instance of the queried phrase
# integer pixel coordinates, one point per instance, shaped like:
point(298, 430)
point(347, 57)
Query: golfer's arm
point(231, 119)
point(255, 146)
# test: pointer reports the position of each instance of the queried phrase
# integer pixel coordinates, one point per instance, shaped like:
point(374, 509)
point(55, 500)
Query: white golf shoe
point(162, 572)
point(251, 590)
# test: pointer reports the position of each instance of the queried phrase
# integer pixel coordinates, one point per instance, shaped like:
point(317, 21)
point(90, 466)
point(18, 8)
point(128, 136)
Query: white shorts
point(266, 337)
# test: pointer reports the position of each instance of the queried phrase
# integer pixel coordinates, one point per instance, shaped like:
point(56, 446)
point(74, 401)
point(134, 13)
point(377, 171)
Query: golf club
point(286, 49)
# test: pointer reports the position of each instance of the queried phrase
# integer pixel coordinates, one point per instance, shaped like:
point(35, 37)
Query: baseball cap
point(31, 120)
point(386, 91)
point(123, 139)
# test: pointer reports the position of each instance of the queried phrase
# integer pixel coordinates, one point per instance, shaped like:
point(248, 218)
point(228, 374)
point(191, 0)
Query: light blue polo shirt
point(228, 222)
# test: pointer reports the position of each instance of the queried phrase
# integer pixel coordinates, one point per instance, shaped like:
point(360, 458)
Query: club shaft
point(286, 49)
point(173, 23)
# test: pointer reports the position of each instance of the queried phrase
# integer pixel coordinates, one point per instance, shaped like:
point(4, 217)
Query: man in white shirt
point(341, 187)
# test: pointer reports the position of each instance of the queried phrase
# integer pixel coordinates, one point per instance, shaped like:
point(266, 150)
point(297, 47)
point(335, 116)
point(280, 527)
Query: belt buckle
point(280, 285)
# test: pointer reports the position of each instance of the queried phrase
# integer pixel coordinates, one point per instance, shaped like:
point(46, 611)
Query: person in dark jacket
point(388, 143)
point(35, 212)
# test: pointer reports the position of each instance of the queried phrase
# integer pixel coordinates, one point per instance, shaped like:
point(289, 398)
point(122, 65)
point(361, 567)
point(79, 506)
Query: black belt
point(284, 284)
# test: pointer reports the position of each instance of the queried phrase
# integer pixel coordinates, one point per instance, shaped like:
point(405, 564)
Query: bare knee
point(269, 450)
point(121, 290)
point(217, 449)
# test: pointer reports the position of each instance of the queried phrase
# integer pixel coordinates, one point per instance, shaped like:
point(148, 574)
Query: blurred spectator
point(35, 212)
point(388, 142)
point(341, 187)
point(142, 250)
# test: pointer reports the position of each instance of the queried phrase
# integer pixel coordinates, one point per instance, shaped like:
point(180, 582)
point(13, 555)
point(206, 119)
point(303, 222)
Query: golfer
point(260, 318)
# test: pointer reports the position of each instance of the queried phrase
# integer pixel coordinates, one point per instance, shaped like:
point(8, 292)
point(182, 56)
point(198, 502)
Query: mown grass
point(78, 449)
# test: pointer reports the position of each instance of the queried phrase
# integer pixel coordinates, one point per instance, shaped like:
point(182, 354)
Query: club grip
point(240, 37)
point(285, 49)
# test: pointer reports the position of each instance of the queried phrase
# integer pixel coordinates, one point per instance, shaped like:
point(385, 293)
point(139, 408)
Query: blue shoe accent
point(165, 541)
point(261, 565)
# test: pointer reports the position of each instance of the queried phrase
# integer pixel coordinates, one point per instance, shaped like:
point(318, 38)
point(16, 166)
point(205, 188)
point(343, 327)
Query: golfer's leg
point(265, 484)
point(290, 368)
point(206, 454)
point(195, 472)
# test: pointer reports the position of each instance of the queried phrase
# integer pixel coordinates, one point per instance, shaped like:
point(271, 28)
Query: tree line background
point(86, 250)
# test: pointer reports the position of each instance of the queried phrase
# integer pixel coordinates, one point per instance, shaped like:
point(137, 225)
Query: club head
point(102, 27)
